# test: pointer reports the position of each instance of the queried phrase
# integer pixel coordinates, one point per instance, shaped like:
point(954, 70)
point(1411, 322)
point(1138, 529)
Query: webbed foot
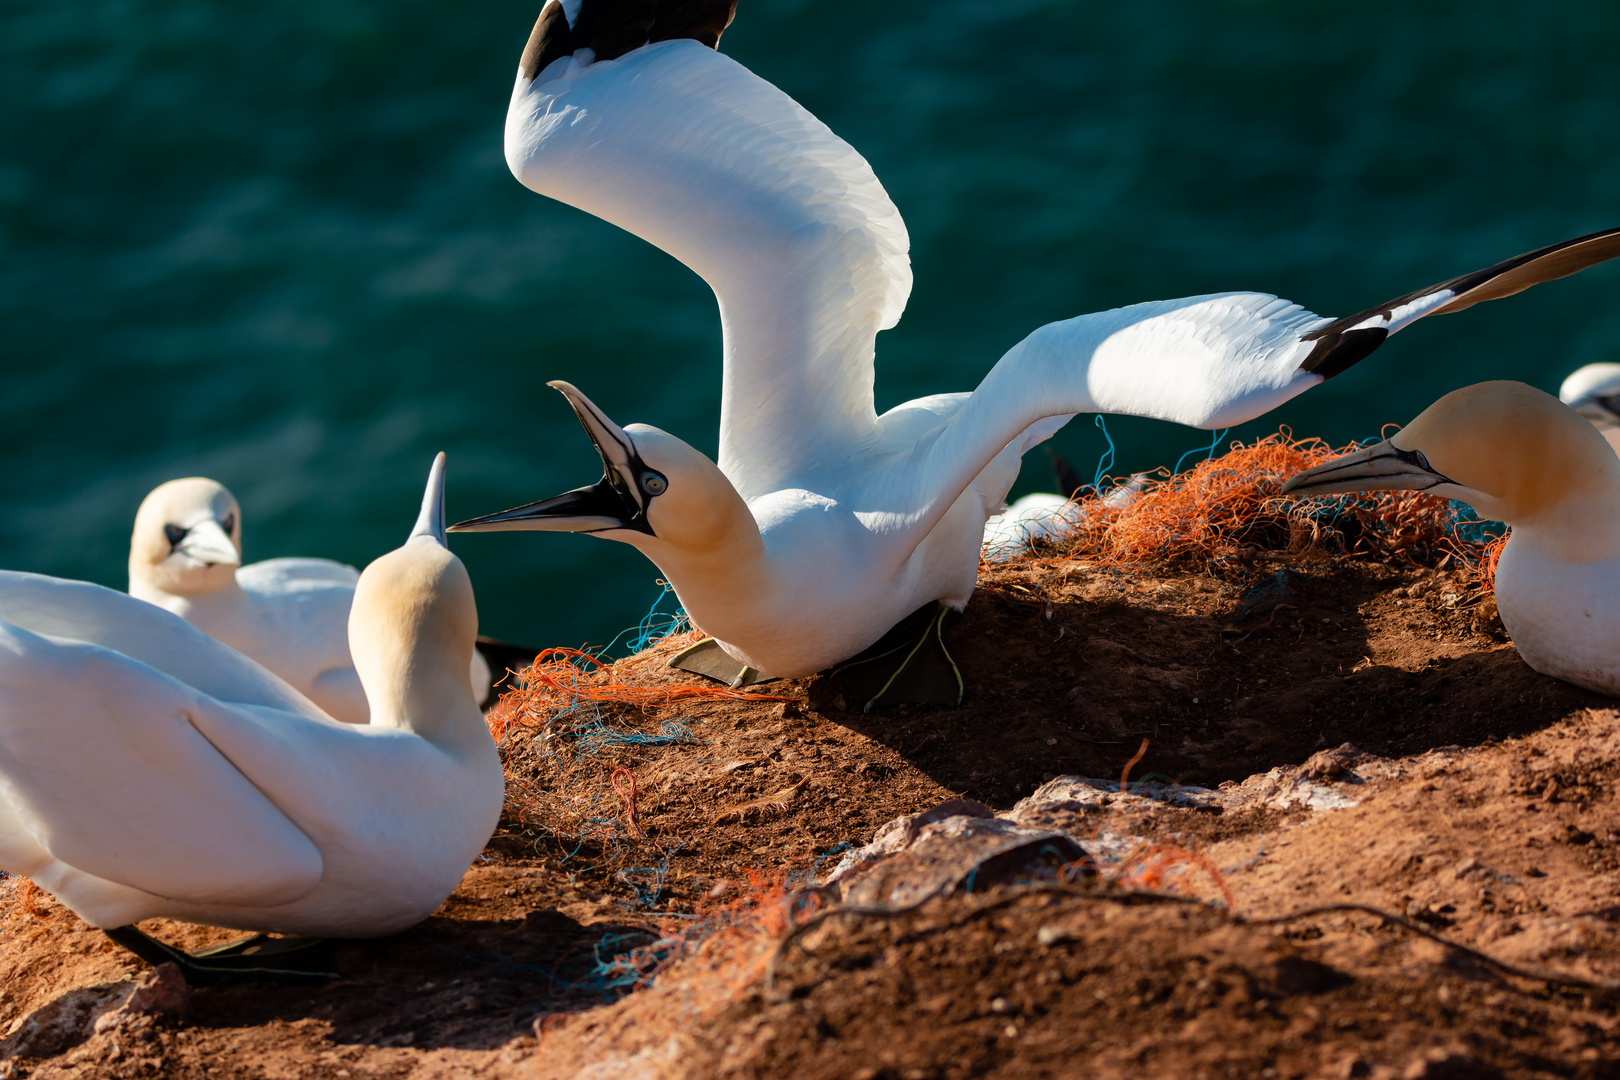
point(708, 659)
point(908, 665)
point(260, 958)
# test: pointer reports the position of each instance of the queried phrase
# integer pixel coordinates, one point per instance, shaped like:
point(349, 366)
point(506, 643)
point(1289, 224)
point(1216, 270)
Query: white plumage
point(290, 614)
point(146, 769)
point(1516, 455)
point(1594, 392)
point(848, 520)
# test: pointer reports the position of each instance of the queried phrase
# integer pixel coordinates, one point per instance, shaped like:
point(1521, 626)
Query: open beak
point(207, 543)
point(1380, 467)
point(430, 522)
point(613, 502)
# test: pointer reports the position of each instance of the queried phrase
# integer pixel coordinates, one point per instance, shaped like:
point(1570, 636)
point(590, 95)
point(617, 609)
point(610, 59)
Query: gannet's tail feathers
point(1344, 341)
point(100, 753)
point(611, 28)
point(692, 152)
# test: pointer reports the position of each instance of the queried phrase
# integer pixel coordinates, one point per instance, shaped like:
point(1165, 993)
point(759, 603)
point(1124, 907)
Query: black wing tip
point(1338, 347)
point(550, 40)
point(612, 28)
point(1337, 350)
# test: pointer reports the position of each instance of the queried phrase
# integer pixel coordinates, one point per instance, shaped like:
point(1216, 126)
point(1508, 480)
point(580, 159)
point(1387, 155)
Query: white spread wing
point(692, 152)
point(104, 768)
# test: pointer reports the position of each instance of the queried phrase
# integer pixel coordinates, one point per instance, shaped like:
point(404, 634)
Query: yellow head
point(657, 493)
point(1512, 452)
point(187, 539)
point(412, 628)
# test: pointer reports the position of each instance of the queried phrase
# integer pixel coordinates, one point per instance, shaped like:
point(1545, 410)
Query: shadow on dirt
point(483, 982)
point(1223, 681)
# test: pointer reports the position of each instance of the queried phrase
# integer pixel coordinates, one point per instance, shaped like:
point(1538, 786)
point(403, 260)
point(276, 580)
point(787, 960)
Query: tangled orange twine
point(1231, 507)
point(561, 678)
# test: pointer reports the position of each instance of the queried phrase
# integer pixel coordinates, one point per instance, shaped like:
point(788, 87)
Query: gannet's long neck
point(1581, 527)
point(720, 577)
point(411, 630)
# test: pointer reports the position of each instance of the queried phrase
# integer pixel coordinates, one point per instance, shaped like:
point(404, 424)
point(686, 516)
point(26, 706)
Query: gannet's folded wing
point(145, 632)
point(692, 152)
point(101, 762)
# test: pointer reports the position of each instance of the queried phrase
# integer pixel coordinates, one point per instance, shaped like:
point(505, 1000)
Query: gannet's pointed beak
point(430, 522)
point(1380, 467)
point(208, 543)
point(617, 501)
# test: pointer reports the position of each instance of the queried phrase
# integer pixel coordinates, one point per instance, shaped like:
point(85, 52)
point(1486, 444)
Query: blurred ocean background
point(277, 243)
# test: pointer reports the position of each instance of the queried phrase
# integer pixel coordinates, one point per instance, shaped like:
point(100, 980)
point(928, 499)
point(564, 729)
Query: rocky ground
point(1319, 733)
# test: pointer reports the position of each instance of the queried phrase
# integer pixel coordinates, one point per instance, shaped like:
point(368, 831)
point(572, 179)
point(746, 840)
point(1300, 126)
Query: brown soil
point(1478, 800)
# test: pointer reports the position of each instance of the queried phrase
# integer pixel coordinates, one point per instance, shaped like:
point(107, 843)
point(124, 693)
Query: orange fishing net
point(1229, 509)
point(561, 679)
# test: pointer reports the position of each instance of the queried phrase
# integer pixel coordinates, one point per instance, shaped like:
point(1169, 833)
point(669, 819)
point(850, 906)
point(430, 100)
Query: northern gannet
point(1594, 392)
point(1518, 455)
point(291, 615)
point(148, 770)
point(824, 524)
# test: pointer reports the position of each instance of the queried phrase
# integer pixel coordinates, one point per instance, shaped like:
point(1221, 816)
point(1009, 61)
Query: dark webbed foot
point(260, 958)
point(706, 658)
point(909, 665)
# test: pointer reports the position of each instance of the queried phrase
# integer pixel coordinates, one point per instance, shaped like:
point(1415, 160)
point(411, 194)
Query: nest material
point(1224, 513)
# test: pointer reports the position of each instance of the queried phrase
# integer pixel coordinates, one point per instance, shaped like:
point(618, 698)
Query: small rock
point(719, 889)
point(1052, 935)
point(72, 1018)
point(1331, 764)
point(1000, 1005)
point(160, 992)
point(59, 1024)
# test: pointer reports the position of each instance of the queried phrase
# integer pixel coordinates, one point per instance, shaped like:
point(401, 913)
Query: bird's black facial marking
point(1413, 457)
point(1610, 403)
point(1416, 459)
point(175, 534)
point(228, 523)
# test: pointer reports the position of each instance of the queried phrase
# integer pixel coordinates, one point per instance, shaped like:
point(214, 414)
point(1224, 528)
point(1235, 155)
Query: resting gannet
point(148, 770)
point(291, 615)
point(1517, 455)
point(1594, 392)
point(823, 524)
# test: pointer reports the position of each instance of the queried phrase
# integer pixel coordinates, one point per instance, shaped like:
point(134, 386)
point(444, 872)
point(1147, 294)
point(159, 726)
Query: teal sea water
point(277, 243)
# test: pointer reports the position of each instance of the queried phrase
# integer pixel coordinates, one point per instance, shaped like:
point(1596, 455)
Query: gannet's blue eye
point(228, 523)
point(653, 484)
point(175, 534)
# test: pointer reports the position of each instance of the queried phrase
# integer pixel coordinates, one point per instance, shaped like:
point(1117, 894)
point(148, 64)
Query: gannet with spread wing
point(824, 524)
